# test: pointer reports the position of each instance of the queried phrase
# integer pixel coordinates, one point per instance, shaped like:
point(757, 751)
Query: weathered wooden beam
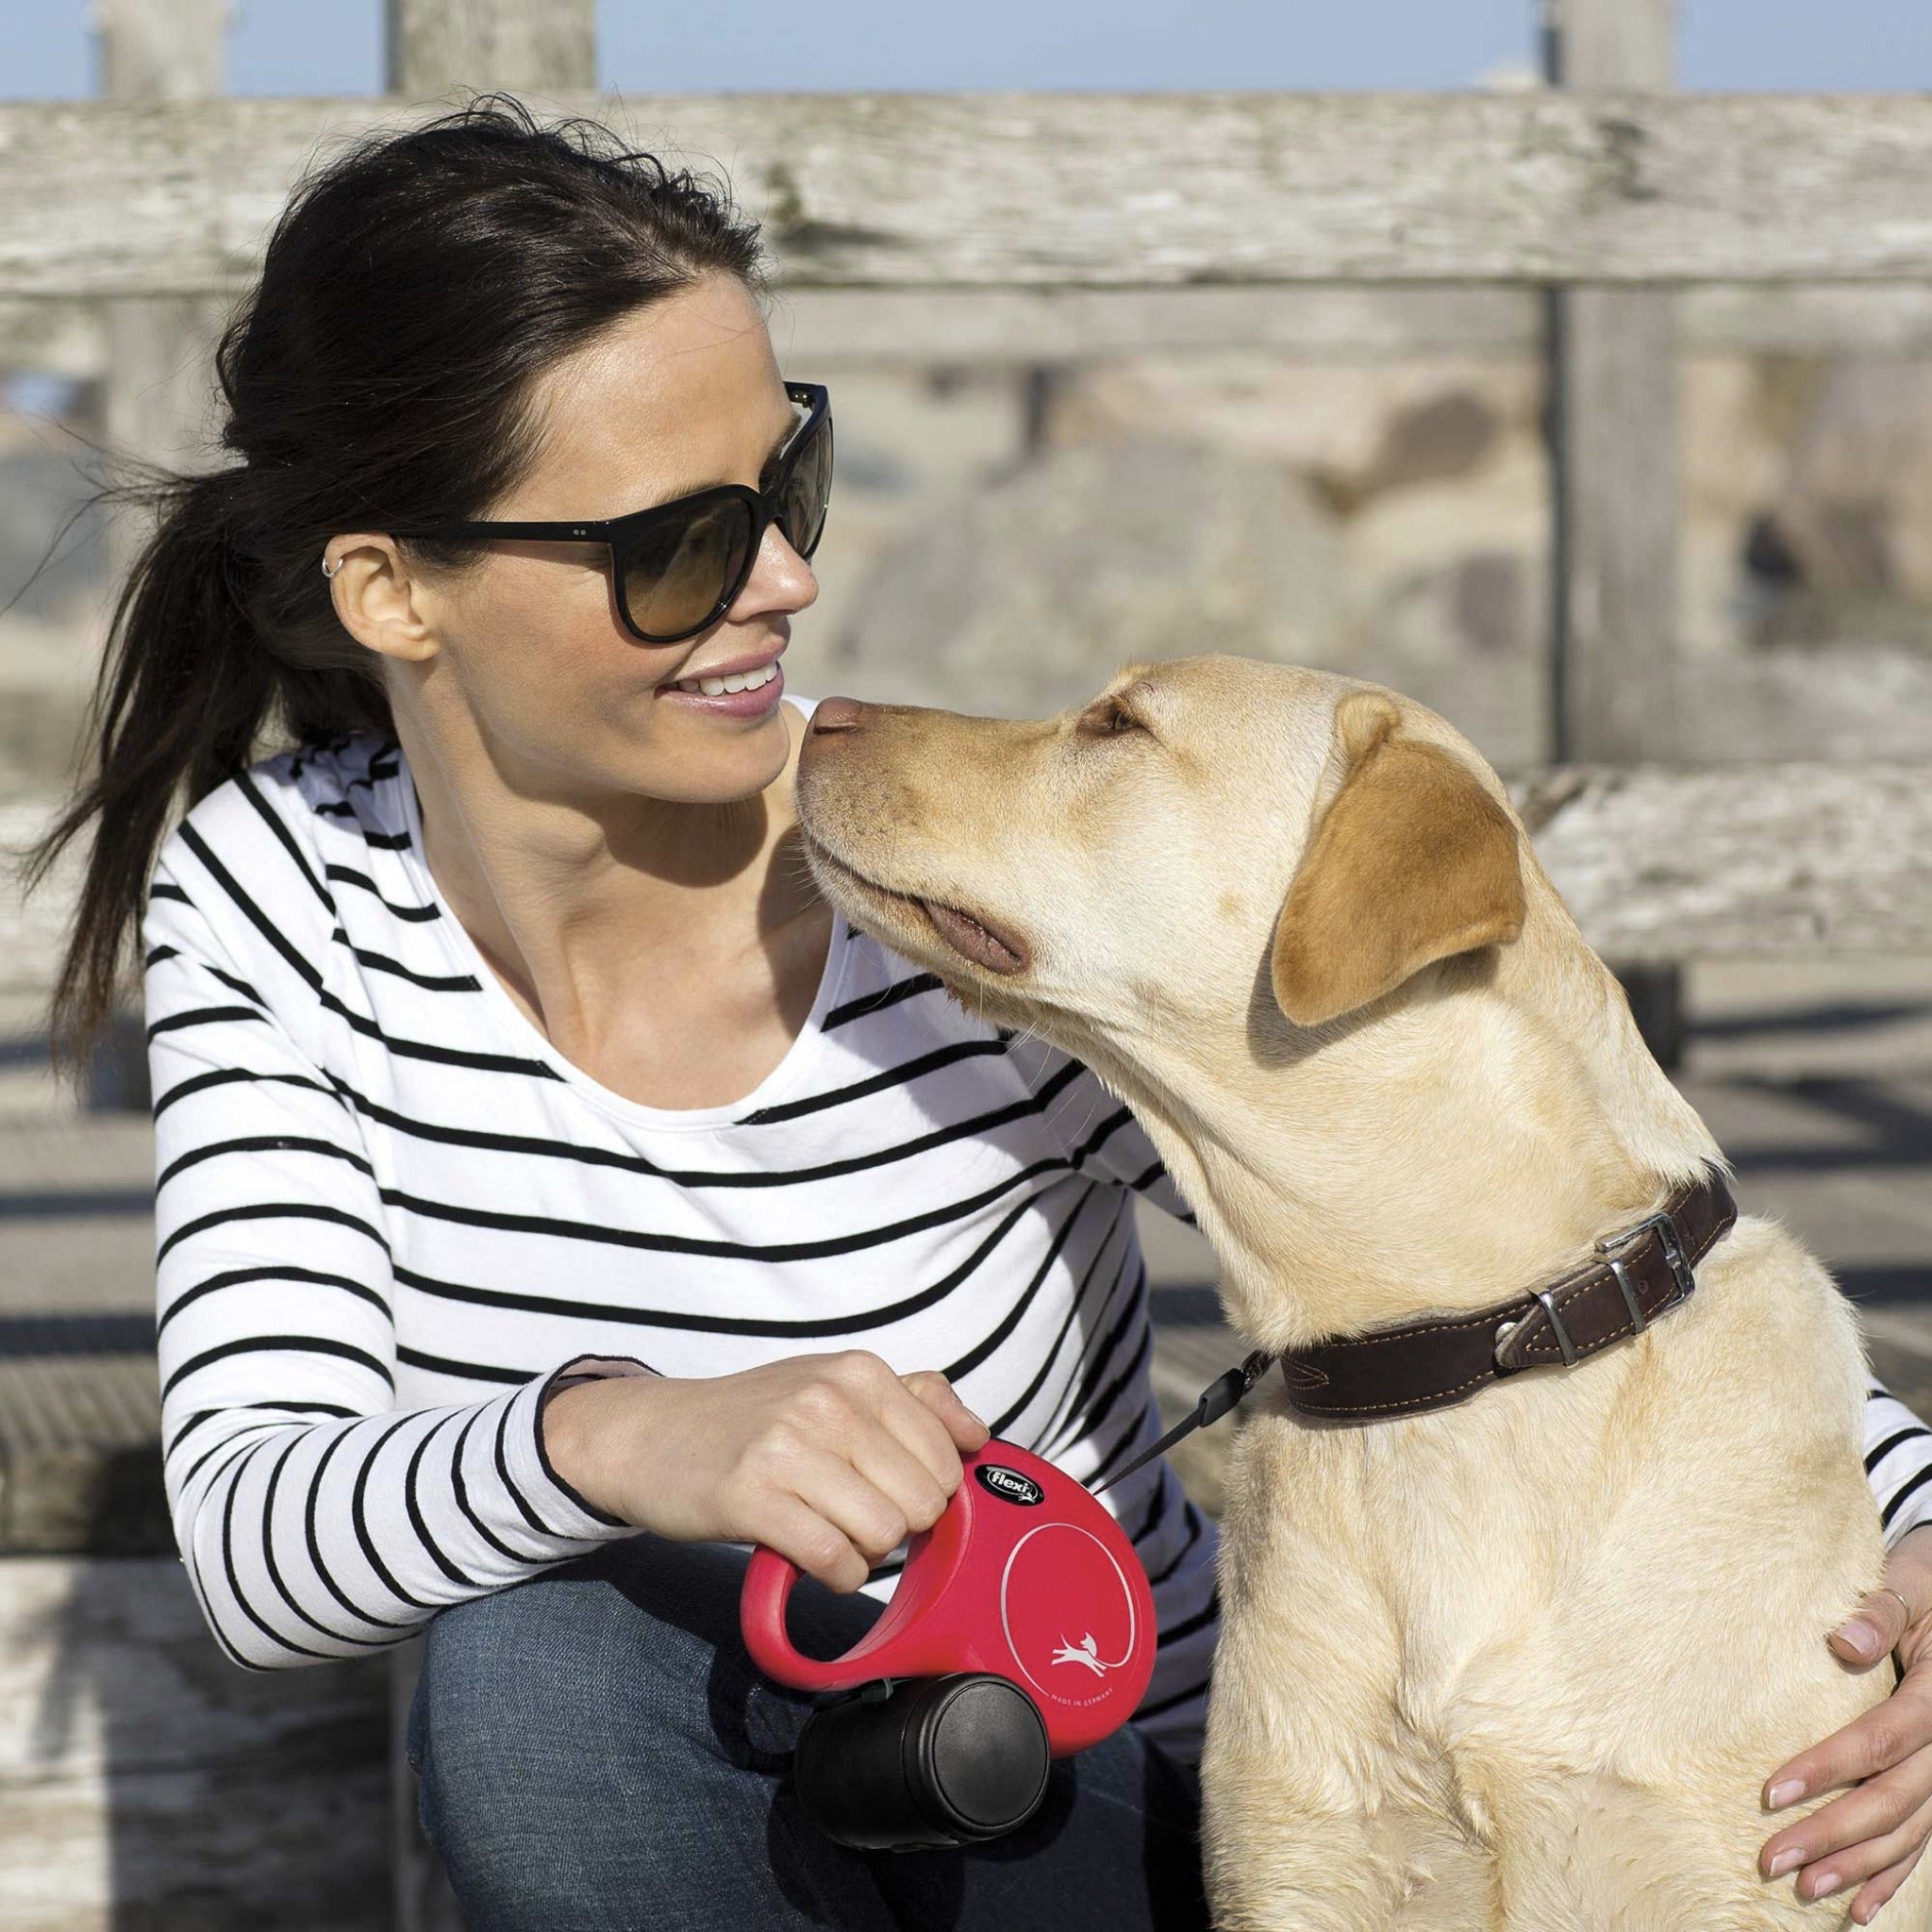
point(1314, 323)
point(1032, 326)
point(1739, 862)
point(1612, 376)
point(1311, 324)
point(1047, 190)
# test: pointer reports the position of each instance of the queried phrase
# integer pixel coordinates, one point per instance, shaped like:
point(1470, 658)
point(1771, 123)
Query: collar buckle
point(1614, 1247)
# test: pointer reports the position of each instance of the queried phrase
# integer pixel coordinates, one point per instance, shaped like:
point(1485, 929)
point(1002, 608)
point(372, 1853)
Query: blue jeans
point(597, 1751)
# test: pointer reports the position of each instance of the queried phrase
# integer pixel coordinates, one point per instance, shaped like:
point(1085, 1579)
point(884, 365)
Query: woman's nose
point(780, 581)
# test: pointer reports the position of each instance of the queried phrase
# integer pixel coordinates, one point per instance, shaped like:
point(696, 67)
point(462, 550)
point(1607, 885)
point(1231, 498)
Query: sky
point(333, 46)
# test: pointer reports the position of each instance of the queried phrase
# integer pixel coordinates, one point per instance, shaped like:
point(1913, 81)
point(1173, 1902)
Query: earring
point(328, 573)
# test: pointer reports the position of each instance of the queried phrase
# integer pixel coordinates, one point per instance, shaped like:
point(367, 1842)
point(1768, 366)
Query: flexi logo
point(1008, 1485)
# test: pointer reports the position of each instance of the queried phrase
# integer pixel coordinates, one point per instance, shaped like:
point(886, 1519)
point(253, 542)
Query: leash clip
point(1216, 1400)
point(1227, 1389)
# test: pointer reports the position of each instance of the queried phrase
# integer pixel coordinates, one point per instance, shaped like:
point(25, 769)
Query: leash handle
point(1218, 1396)
point(906, 1640)
point(1023, 1575)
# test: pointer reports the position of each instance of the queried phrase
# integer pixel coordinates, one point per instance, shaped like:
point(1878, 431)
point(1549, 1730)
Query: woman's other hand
point(829, 1459)
point(1873, 1836)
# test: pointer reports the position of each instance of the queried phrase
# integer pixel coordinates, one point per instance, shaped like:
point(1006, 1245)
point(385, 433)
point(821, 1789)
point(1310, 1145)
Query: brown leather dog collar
point(1436, 1361)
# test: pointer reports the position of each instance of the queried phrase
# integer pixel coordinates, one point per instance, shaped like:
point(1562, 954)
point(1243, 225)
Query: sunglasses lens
point(801, 507)
point(677, 574)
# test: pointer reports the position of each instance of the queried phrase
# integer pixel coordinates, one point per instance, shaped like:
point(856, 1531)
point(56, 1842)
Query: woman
point(541, 1161)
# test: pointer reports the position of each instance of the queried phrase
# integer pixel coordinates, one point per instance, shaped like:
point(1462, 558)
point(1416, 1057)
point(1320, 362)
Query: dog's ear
point(1412, 861)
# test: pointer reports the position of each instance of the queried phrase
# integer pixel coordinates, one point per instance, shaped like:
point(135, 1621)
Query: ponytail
point(366, 385)
point(183, 691)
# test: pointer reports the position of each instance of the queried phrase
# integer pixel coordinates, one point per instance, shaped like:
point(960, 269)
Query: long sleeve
point(315, 1520)
point(1898, 1463)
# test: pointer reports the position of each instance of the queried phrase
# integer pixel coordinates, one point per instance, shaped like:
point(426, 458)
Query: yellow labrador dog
point(1520, 1662)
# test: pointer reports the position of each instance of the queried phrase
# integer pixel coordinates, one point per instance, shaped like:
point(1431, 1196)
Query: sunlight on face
point(564, 700)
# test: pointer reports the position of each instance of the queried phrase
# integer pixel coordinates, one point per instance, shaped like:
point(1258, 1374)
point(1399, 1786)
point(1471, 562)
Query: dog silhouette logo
point(1085, 1652)
point(1065, 1599)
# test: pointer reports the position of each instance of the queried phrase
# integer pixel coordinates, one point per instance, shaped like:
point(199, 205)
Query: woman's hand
point(1877, 1831)
point(829, 1459)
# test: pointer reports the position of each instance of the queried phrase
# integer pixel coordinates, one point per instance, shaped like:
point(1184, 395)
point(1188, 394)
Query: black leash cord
point(1216, 1400)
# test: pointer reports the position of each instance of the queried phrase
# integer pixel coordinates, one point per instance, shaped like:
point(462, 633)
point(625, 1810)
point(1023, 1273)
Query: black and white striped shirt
point(388, 1212)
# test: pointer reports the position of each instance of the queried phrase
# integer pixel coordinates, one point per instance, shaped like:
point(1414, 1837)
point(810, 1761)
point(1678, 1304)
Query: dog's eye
point(1108, 719)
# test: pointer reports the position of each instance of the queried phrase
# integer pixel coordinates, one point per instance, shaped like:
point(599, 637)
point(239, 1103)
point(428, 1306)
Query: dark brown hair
point(379, 371)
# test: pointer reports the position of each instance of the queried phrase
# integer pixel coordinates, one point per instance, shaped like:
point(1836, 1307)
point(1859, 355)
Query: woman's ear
point(378, 598)
point(1412, 861)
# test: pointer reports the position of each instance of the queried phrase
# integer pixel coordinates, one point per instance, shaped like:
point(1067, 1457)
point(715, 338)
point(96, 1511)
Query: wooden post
point(431, 45)
point(1614, 458)
point(160, 377)
point(160, 382)
point(1614, 463)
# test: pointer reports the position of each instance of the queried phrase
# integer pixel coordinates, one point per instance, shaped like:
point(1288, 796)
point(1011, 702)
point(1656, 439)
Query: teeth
point(739, 680)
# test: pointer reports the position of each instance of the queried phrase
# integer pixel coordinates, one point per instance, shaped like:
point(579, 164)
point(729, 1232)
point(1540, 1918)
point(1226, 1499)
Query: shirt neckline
point(510, 1018)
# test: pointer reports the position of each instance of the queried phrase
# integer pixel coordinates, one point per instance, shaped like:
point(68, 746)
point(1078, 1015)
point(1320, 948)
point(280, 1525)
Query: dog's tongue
point(967, 937)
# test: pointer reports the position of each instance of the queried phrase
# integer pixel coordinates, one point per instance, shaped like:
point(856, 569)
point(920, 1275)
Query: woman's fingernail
point(1786, 1794)
point(1792, 1856)
point(1859, 1635)
point(1825, 1882)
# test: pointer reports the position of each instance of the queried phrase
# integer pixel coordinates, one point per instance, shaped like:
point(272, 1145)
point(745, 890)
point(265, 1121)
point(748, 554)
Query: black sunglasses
point(679, 567)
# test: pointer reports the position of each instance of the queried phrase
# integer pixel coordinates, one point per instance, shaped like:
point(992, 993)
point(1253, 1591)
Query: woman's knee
point(531, 1681)
point(596, 1728)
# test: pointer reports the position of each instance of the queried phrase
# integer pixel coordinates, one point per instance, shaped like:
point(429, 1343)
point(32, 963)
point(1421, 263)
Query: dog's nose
point(838, 714)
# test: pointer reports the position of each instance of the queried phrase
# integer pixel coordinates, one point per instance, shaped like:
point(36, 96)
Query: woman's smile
point(736, 691)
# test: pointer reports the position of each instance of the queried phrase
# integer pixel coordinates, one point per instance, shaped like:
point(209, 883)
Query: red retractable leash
point(1021, 1630)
